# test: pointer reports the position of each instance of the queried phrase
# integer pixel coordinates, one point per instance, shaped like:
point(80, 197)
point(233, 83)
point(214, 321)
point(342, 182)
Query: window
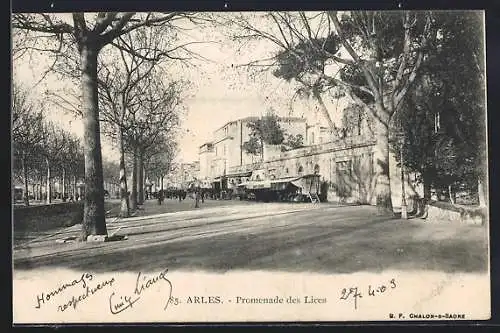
point(316, 169)
point(344, 166)
point(343, 179)
point(300, 170)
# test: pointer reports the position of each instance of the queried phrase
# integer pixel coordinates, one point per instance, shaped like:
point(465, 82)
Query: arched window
point(300, 170)
point(316, 169)
point(257, 177)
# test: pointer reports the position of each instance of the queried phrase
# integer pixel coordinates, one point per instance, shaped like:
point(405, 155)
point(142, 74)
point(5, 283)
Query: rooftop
point(252, 118)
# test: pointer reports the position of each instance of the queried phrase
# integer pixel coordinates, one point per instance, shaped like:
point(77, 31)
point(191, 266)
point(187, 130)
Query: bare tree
point(88, 34)
point(155, 122)
point(119, 78)
point(27, 131)
point(160, 161)
point(54, 140)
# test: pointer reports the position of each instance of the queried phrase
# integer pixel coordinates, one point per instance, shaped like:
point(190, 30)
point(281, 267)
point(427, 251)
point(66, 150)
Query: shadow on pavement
point(318, 242)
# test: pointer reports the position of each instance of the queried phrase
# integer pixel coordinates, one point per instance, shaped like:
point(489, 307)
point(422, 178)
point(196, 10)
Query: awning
point(239, 174)
point(300, 181)
point(256, 184)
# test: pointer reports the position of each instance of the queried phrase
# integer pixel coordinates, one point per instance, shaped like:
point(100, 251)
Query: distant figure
point(160, 198)
point(197, 199)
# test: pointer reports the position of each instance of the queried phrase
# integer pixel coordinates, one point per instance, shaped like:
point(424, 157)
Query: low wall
point(445, 212)
point(47, 217)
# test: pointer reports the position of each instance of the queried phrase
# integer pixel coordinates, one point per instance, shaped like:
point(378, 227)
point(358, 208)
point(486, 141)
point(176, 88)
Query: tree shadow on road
point(320, 245)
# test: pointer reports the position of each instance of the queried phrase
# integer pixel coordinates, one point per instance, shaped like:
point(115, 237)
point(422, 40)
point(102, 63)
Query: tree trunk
point(94, 218)
point(74, 187)
point(381, 161)
point(125, 204)
point(481, 190)
point(326, 114)
point(160, 193)
point(451, 194)
point(427, 181)
point(40, 194)
point(48, 188)
point(133, 198)
point(25, 179)
point(140, 180)
point(64, 184)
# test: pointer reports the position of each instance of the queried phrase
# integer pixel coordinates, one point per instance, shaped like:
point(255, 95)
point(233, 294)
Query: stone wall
point(47, 217)
point(446, 213)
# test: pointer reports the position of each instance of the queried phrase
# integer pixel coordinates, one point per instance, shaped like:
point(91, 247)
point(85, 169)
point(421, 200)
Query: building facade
point(226, 151)
point(345, 165)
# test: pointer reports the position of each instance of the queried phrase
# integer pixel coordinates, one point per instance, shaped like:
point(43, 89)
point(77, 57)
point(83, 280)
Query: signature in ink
point(142, 284)
point(124, 303)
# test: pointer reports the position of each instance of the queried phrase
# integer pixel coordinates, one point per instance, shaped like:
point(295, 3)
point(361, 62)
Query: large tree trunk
point(133, 199)
point(25, 179)
point(427, 181)
point(125, 205)
point(94, 218)
point(74, 187)
point(381, 161)
point(481, 190)
point(140, 180)
point(48, 187)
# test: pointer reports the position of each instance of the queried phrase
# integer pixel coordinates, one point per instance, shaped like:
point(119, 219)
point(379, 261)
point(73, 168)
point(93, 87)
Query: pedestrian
point(160, 198)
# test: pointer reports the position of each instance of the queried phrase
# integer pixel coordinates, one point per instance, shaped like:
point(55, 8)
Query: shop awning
point(296, 181)
point(239, 174)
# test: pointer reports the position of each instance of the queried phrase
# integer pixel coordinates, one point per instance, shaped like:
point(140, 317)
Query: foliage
point(356, 121)
point(293, 142)
point(253, 146)
point(264, 130)
point(443, 117)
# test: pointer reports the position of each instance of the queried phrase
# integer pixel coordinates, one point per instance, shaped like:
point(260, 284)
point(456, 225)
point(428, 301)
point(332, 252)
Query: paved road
point(274, 236)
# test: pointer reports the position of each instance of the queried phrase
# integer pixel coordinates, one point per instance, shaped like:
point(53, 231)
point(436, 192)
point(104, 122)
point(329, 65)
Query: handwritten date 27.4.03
point(353, 294)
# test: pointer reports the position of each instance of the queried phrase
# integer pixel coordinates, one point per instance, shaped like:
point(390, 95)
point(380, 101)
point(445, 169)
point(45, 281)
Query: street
point(233, 235)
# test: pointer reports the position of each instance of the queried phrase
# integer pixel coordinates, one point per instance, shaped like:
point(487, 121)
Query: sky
point(220, 90)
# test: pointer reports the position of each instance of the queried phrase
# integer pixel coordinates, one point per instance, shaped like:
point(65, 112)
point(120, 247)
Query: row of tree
point(111, 57)
point(45, 152)
point(376, 58)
